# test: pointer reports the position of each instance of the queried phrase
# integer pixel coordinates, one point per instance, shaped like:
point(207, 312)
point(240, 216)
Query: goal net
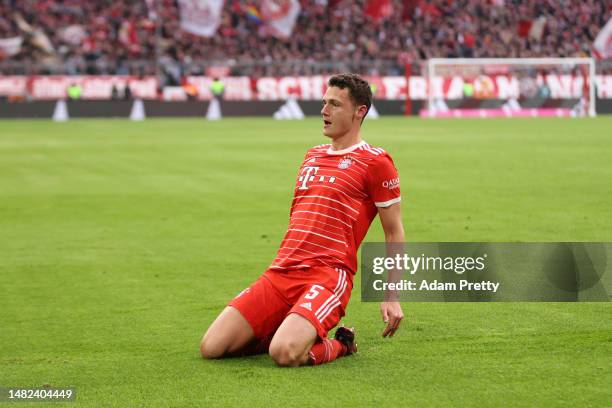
point(510, 87)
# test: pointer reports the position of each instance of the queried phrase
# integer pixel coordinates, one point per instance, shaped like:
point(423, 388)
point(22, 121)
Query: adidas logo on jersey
point(307, 306)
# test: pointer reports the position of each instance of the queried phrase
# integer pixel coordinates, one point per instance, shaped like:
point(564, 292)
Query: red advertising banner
point(94, 87)
point(500, 86)
point(13, 85)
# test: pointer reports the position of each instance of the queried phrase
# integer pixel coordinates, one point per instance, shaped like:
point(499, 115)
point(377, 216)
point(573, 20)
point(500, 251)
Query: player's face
point(340, 115)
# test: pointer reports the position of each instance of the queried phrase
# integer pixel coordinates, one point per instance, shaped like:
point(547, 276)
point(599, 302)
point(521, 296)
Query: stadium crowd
point(105, 36)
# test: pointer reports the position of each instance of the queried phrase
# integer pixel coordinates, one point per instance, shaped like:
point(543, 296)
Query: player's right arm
point(385, 192)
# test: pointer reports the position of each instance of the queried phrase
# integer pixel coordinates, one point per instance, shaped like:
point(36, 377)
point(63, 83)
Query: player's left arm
point(391, 220)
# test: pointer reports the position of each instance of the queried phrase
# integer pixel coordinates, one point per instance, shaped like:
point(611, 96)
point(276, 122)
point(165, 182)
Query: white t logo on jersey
point(308, 174)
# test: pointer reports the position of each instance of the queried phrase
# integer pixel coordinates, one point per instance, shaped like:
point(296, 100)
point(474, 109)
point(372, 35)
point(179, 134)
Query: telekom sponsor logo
point(309, 174)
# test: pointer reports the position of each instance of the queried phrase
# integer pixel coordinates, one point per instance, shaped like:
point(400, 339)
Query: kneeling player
point(340, 188)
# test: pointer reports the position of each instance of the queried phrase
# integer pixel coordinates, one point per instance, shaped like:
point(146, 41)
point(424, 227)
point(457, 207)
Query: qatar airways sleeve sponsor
point(391, 184)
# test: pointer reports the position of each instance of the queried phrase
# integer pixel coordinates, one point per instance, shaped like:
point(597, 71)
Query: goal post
point(510, 87)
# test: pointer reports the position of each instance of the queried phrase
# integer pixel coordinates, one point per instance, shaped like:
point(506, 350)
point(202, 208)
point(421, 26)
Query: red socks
point(325, 351)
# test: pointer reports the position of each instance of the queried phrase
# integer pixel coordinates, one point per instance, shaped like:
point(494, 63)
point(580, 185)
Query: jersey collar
point(347, 150)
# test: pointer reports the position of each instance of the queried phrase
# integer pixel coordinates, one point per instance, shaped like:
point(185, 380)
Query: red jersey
point(336, 196)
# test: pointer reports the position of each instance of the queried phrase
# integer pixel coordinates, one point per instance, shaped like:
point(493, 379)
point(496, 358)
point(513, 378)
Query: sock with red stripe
point(325, 351)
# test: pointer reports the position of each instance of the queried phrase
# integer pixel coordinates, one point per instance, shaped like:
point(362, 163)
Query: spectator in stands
point(124, 38)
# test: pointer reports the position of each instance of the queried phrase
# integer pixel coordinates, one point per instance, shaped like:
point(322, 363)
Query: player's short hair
point(358, 88)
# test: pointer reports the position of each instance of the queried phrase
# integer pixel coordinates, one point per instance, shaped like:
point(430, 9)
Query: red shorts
point(319, 294)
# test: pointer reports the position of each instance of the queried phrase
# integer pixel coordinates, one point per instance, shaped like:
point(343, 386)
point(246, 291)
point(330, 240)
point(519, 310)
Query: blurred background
point(275, 50)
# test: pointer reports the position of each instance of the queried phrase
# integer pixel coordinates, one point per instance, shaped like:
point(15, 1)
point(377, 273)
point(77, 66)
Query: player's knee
point(212, 348)
point(286, 354)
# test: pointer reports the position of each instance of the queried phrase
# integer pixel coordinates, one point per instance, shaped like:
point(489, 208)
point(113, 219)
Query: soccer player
point(339, 189)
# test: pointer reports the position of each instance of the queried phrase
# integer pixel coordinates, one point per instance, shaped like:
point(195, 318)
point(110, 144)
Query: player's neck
point(346, 141)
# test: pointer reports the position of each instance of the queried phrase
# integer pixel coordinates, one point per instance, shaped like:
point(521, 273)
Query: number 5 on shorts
point(313, 292)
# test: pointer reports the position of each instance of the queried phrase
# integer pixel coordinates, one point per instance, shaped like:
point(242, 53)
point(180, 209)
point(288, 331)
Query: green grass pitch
point(120, 242)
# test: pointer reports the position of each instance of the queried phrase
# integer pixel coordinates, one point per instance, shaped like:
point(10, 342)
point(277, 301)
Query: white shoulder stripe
point(377, 151)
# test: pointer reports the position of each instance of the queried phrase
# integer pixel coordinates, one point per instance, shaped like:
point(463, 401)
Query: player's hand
point(392, 314)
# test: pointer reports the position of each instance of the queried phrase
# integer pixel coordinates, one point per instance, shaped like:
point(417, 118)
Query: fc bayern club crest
point(345, 163)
